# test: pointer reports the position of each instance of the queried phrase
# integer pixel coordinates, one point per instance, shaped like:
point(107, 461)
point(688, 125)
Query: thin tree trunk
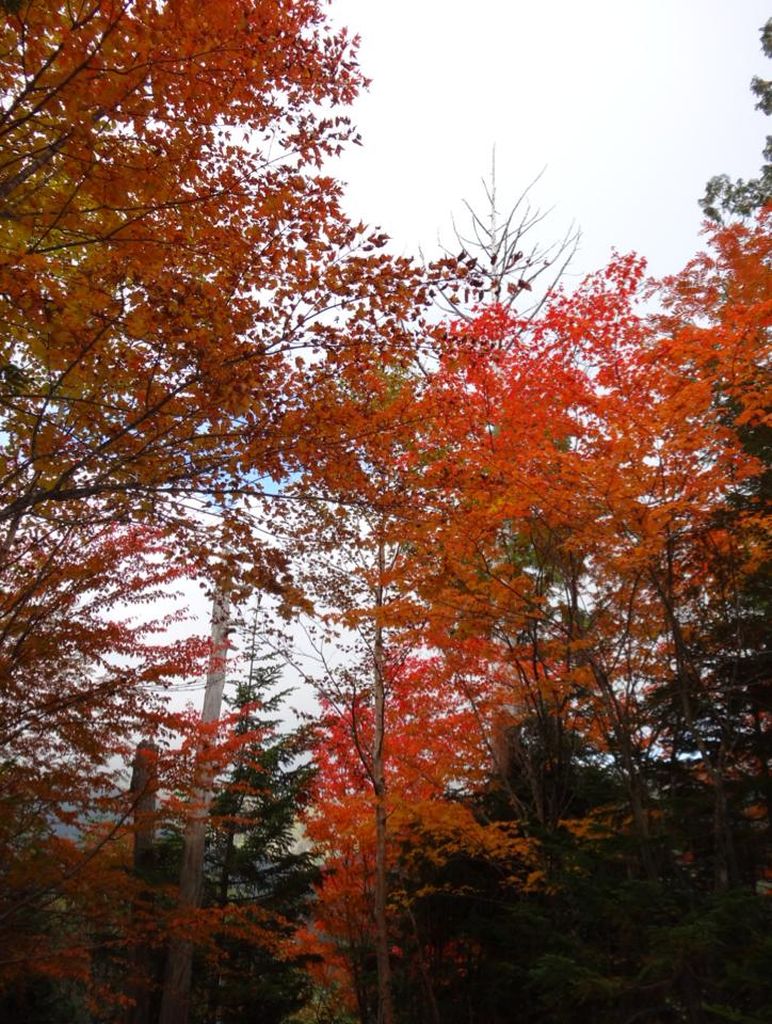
point(385, 1005)
point(144, 781)
point(224, 884)
point(175, 1003)
point(426, 978)
point(625, 751)
point(726, 870)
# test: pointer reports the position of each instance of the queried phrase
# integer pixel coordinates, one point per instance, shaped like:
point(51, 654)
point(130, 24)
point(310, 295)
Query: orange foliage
point(573, 513)
point(179, 291)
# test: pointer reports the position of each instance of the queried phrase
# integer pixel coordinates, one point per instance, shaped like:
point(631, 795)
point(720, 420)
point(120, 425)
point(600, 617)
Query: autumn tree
point(506, 262)
point(172, 253)
point(587, 567)
point(355, 539)
point(351, 594)
point(587, 573)
point(604, 551)
point(435, 762)
point(81, 679)
point(257, 874)
point(718, 309)
point(179, 289)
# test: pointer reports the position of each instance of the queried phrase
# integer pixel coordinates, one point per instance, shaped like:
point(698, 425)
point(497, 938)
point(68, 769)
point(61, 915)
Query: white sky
point(631, 107)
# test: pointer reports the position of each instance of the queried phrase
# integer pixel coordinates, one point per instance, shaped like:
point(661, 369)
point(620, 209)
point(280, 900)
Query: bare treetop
point(505, 257)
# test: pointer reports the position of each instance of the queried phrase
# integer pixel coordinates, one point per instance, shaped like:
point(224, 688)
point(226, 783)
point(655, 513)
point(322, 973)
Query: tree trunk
point(385, 1006)
point(144, 782)
point(688, 679)
point(175, 1003)
point(223, 888)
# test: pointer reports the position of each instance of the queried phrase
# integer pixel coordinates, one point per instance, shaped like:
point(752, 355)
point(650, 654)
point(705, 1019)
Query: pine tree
point(256, 864)
point(725, 199)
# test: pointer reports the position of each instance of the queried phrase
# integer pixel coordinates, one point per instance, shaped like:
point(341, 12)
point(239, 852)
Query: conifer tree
point(257, 864)
point(726, 199)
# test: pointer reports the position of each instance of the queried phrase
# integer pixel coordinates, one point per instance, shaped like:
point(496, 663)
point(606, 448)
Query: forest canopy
point(533, 532)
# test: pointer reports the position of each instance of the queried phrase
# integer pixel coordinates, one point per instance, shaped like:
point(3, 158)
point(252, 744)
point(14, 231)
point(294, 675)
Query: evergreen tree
point(727, 199)
point(257, 864)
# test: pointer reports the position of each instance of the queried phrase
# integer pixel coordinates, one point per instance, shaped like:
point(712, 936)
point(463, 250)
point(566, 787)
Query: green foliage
point(45, 1001)
point(595, 940)
point(255, 857)
point(727, 199)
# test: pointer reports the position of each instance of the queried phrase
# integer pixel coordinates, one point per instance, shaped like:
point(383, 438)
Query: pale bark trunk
point(175, 1003)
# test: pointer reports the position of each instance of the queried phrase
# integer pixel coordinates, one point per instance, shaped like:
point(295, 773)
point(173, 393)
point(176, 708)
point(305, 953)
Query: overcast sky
point(630, 106)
